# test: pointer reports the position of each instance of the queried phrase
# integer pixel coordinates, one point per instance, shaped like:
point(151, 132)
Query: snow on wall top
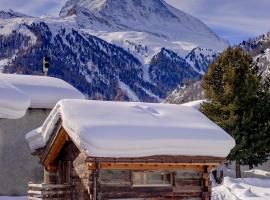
point(134, 129)
point(19, 92)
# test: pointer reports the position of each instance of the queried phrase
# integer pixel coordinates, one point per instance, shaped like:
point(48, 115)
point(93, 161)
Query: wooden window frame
point(152, 185)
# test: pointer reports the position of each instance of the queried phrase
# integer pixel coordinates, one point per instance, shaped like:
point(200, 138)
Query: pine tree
point(239, 103)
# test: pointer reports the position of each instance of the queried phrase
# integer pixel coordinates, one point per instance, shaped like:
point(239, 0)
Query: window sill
point(153, 185)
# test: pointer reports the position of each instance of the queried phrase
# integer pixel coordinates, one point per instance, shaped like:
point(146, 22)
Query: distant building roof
point(129, 129)
point(20, 92)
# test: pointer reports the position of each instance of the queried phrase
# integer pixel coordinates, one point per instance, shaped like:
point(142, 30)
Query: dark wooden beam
point(161, 159)
point(152, 166)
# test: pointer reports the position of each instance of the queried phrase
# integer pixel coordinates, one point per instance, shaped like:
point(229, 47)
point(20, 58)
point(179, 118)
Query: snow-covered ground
point(242, 189)
point(231, 189)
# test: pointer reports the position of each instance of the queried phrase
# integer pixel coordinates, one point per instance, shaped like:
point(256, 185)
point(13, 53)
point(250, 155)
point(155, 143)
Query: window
point(151, 179)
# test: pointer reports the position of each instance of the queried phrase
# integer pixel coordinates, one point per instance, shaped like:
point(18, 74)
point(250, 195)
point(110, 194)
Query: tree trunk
point(237, 169)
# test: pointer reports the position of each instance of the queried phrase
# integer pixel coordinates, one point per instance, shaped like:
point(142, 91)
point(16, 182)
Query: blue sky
point(234, 20)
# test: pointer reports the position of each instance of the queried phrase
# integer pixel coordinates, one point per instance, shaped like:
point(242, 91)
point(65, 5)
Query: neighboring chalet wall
point(73, 170)
point(117, 184)
point(17, 165)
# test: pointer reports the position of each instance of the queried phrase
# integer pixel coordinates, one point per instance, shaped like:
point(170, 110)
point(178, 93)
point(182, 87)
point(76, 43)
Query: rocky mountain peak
point(154, 17)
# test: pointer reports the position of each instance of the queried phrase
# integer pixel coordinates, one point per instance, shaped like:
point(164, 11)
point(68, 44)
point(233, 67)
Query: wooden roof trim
point(54, 148)
point(151, 166)
point(161, 159)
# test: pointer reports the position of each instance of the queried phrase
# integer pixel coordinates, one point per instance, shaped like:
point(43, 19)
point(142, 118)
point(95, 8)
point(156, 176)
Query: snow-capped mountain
point(167, 69)
point(10, 14)
point(112, 49)
point(152, 23)
point(258, 48)
point(199, 59)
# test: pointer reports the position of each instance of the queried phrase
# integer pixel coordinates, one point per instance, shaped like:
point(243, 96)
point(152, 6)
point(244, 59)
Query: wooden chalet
point(76, 166)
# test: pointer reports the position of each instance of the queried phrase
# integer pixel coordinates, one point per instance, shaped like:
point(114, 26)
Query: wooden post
point(206, 194)
point(95, 181)
point(237, 169)
point(46, 176)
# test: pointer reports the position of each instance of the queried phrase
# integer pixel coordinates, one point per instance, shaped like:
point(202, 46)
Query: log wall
point(117, 184)
point(104, 184)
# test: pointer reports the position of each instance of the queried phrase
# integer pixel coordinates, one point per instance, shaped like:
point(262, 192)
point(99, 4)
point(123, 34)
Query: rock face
point(183, 94)
point(111, 49)
point(259, 49)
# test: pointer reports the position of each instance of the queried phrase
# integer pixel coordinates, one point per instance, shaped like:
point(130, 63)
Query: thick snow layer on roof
point(134, 129)
point(19, 92)
point(13, 102)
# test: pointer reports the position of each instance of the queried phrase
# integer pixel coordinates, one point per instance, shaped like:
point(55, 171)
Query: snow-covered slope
point(153, 24)
point(10, 14)
point(186, 93)
point(243, 189)
point(263, 61)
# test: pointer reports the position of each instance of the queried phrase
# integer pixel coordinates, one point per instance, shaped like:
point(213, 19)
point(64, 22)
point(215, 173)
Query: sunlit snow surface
point(20, 92)
point(135, 129)
point(242, 189)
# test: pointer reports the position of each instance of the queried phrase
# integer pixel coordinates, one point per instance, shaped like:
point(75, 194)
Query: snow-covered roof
point(134, 129)
point(13, 102)
point(19, 92)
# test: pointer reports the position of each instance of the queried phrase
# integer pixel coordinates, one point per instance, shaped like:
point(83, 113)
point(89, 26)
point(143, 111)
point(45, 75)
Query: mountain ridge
point(258, 48)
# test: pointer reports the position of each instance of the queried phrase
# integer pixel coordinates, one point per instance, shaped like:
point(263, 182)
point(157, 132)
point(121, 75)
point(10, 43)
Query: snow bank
point(248, 188)
point(19, 92)
point(134, 129)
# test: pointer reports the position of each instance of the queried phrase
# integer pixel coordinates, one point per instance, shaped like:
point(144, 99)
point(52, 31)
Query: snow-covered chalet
point(97, 150)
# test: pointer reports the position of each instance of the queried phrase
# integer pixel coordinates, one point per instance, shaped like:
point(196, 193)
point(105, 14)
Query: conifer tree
point(239, 103)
